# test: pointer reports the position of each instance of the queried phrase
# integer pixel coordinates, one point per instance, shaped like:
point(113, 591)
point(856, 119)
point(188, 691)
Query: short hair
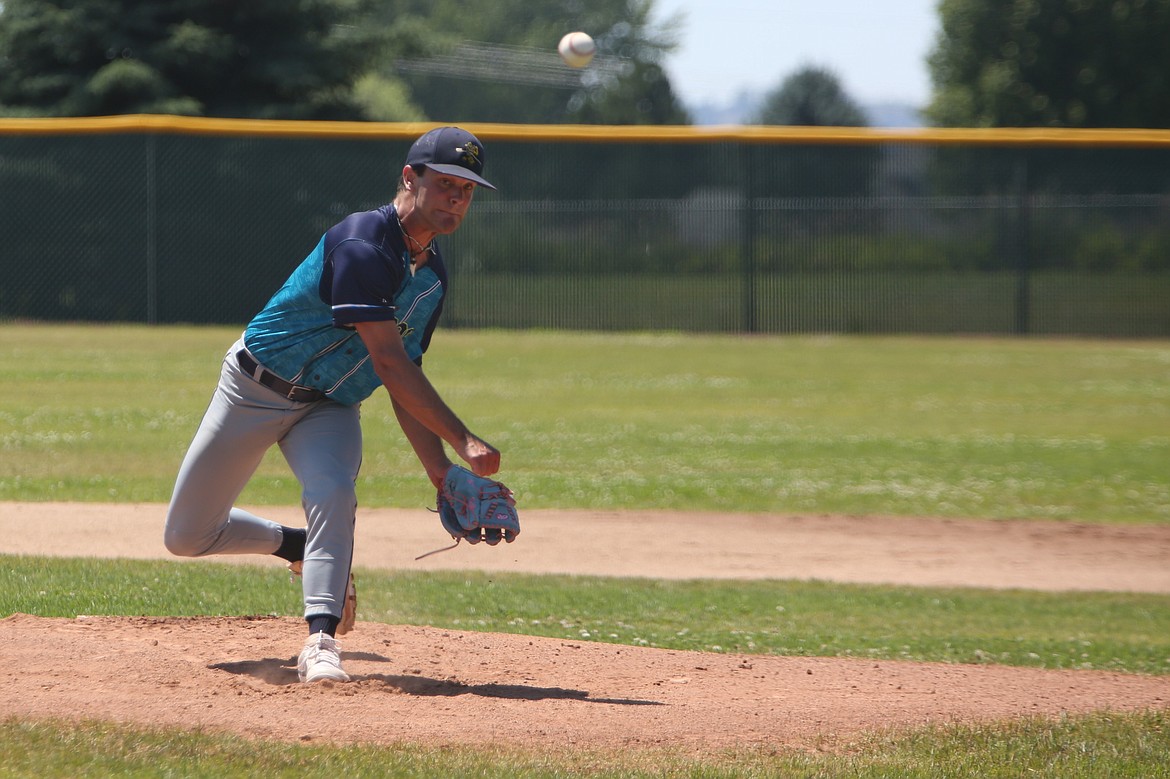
point(418, 169)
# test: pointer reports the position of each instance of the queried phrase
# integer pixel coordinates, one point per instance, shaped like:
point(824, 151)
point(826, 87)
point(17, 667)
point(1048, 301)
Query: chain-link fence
point(162, 219)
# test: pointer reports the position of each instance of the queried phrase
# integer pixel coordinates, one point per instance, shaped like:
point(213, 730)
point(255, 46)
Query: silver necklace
point(419, 248)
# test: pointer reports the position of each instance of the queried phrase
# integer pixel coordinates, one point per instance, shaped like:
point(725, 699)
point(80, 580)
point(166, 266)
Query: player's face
point(442, 200)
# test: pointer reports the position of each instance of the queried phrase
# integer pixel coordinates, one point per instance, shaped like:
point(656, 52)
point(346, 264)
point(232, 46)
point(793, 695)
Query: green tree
point(1034, 63)
point(390, 60)
point(811, 97)
point(261, 58)
point(495, 60)
point(644, 96)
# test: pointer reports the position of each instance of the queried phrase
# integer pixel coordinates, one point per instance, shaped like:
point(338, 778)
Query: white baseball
point(577, 49)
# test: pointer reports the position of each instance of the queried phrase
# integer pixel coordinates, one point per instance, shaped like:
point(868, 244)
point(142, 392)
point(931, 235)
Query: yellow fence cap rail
point(192, 125)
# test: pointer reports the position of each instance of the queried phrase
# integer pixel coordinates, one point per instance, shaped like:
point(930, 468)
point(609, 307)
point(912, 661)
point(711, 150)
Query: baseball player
point(356, 314)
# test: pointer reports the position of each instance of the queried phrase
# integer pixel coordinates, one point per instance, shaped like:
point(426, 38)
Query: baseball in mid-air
point(577, 49)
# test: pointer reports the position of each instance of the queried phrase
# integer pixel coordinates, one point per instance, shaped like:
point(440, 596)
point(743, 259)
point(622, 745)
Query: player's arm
point(415, 399)
point(427, 446)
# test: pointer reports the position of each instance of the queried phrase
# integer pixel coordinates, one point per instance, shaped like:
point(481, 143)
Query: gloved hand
point(476, 508)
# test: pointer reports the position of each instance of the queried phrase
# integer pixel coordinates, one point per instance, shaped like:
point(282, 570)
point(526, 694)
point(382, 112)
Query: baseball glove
point(476, 508)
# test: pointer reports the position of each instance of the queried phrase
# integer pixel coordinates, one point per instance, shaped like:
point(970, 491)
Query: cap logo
point(470, 154)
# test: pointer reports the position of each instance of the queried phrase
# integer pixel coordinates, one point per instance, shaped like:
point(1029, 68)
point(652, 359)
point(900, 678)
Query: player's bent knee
point(181, 542)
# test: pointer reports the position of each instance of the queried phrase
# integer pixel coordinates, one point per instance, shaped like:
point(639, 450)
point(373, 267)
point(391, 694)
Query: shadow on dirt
point(425, 686)
point(272, 670)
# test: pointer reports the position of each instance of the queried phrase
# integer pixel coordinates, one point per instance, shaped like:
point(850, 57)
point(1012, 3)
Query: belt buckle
point(296, 390)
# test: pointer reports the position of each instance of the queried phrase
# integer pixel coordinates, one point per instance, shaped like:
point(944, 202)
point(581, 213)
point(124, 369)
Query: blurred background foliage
point(396, 60)
point(995, 63)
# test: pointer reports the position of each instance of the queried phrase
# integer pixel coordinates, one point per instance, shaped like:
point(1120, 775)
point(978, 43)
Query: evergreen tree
point(260, 58)
point(811, 97)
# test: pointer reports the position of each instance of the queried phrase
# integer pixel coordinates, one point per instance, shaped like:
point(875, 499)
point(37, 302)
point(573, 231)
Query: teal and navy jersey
point(359, 272)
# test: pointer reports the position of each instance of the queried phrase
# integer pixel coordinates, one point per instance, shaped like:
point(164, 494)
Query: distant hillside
point(740, 108)
point(735, 111)
point(893, 115)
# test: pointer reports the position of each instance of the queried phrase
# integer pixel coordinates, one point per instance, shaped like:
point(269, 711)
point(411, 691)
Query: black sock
point(323, 623)
point(292, 544)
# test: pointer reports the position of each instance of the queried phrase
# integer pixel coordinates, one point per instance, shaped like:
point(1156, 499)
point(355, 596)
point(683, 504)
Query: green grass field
point(1060, 430)
point(898, 426)
point(1117, 746)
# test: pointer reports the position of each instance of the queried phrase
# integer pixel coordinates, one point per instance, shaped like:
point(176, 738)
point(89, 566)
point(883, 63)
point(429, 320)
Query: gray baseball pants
point(322, 443)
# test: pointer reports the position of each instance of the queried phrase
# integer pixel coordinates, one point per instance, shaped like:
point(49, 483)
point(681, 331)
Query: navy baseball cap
point(450, 150)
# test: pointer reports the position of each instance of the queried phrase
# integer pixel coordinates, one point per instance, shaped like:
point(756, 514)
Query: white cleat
point(321, 660)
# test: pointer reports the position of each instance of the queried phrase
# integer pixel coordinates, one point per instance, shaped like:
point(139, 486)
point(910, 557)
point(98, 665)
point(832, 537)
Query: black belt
point(275, 383)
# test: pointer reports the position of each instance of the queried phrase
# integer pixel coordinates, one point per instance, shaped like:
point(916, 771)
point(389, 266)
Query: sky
point(876, 48)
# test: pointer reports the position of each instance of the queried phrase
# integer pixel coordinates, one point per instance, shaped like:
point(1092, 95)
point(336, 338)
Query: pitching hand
point(483, 458)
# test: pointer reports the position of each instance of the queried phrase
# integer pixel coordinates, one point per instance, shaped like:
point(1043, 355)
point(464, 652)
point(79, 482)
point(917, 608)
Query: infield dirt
point(432, 686)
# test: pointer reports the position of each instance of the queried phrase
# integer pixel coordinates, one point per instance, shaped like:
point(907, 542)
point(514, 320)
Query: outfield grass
point(1118, 746)
point(904, 426)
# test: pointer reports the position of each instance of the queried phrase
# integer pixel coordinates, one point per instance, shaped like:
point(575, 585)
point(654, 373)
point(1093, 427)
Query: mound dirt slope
point(438, 687)
point(432, 686)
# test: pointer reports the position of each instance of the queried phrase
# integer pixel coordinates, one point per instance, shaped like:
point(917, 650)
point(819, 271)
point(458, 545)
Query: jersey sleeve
point(360, 282)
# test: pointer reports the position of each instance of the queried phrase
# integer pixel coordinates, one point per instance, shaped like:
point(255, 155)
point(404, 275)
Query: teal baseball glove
point(476, 508)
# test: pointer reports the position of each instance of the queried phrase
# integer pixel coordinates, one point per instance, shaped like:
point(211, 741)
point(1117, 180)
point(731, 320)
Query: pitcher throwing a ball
point(356, 314)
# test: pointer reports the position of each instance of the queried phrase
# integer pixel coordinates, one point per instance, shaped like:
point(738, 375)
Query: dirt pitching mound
point(430, 686)
point(442, 687)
